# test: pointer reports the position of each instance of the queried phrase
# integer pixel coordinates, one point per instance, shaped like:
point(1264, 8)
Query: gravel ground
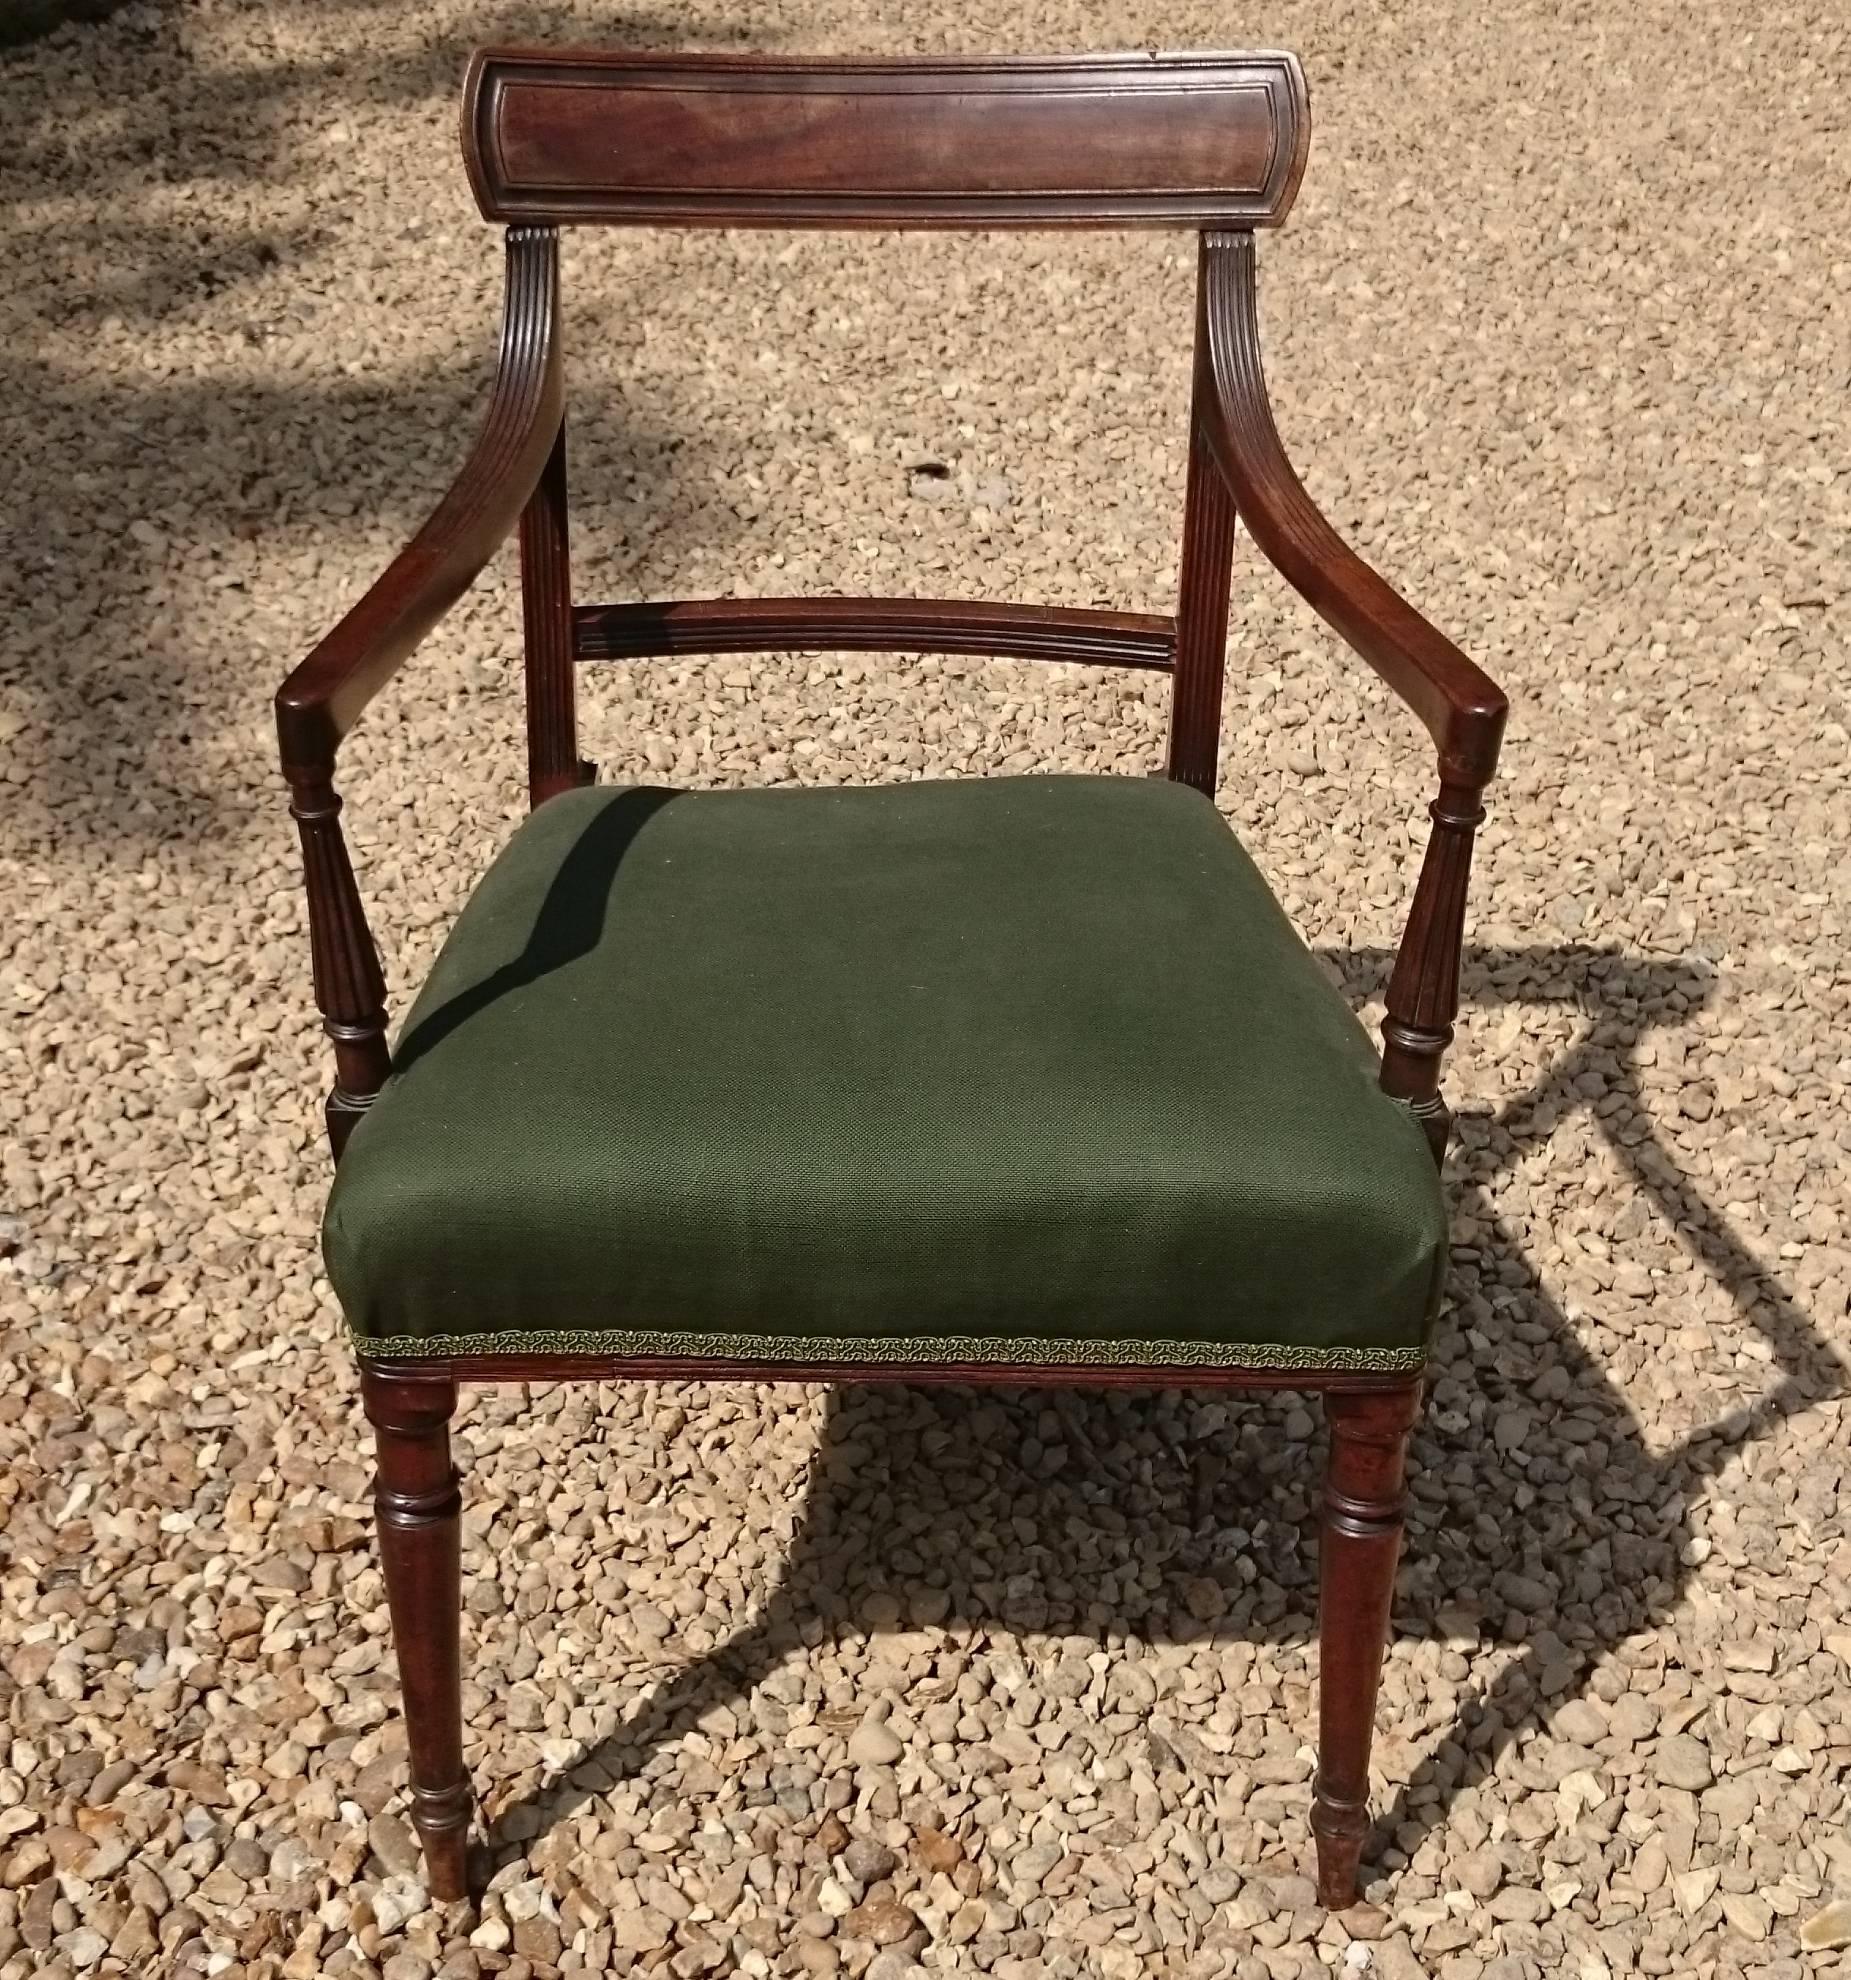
point(865, 1683)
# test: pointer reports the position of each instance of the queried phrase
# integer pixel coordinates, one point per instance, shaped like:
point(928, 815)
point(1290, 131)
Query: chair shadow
point(114, 699)
point(1592, 1577)
point(568, 924)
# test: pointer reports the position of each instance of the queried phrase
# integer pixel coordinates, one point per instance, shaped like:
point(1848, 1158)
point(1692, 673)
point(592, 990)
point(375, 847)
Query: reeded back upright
point(1185, 140)
point(1210, 142)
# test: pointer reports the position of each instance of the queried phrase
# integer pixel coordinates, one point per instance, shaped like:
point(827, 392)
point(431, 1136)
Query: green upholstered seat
point(1028, 1069)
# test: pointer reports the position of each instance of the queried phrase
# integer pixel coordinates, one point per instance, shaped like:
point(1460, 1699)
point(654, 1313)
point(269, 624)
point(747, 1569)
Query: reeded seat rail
point(873, 625)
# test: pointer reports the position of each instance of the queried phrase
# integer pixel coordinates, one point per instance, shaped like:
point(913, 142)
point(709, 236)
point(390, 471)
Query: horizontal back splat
point(1185, 140)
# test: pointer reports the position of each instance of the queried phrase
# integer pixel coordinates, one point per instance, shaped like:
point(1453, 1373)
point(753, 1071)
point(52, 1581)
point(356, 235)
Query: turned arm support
point(323, 697)
point(1461, 707)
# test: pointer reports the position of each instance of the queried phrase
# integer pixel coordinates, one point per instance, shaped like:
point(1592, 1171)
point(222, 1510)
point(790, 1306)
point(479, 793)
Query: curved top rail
point(1133, 140)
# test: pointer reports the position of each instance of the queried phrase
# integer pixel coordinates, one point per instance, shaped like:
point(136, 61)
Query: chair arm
point(320, 701)
point(1462, 708)
point(323, 697)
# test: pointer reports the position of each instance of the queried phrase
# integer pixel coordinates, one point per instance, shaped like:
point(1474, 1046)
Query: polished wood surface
point(553, 763)
point(350, 986)
point(1215, 142)
point(973, 1374)
point(1194, 755)
point(1423, 991)
point(321, 699)
point(1463, 709)
point(1148, 139)
point(1365, 1503)
point(878, 625)
point(418, 1503)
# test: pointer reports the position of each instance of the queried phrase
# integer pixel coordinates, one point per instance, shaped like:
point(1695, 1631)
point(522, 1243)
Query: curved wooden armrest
point(1462, 708)
point(320, 701)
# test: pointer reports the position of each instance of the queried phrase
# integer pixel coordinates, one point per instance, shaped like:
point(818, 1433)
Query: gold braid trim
point(896, 1350)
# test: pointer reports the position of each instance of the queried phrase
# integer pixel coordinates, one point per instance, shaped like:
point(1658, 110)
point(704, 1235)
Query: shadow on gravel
point(137, 725)
point(27, 20)
point(201, 116)
point(1590, 1522)
point(215, 461)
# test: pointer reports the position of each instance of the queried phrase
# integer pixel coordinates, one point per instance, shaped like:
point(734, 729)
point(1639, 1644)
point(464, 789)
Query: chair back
point(1210, 142)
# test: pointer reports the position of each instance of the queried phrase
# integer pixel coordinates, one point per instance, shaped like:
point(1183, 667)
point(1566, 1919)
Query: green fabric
point(1019, 1068)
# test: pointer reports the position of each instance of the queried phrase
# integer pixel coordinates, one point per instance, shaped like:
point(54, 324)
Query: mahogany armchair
point(1020, 1079)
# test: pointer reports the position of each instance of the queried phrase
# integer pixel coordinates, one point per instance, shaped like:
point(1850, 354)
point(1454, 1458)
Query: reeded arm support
point(1423, 991)
point(350, 986)
point(1461, 707)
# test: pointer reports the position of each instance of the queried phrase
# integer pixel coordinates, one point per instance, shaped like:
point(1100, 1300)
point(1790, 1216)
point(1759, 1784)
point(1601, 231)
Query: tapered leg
point(1364, 1501)
point(420, 1540)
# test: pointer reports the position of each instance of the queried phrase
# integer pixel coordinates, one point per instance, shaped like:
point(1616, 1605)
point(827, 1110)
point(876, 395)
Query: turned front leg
point(1364, 1504)
point(419, 1507)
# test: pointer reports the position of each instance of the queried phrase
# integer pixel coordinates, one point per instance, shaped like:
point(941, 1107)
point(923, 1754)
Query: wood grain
point(322, 698)
point(1365, 1500)
point(1215, 142)
point(1423, 991)
point(976, 1374)
point(553, 763)
point(1462, 708)
point(350, 986)
point(1201, 598)
point(880, 625)
point(760, 141)
point(418, 1503)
